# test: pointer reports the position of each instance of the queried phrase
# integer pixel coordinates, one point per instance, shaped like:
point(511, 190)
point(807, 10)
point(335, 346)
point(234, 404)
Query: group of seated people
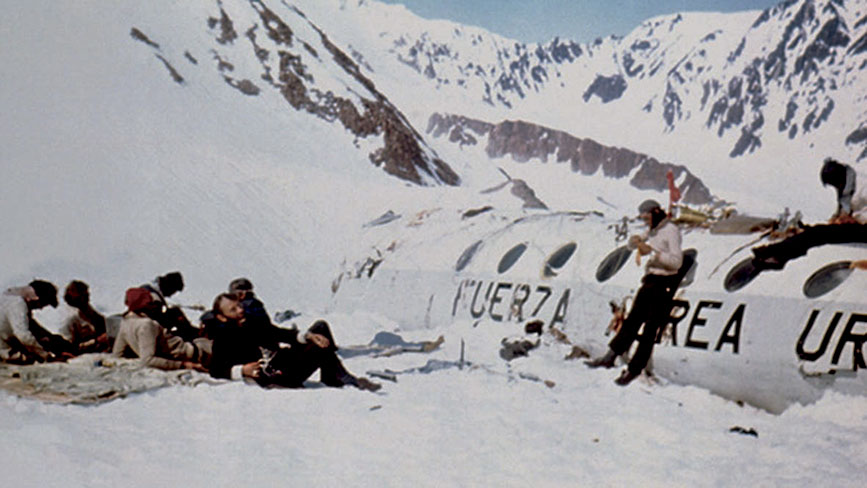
point(236, 339)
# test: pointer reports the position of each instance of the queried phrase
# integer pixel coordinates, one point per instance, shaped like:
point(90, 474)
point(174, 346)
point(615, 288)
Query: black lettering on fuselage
point(829, 331)
point(856, 339)
point(546, 292)
point(732, 332)
point(473, 312)
point(496, 298)
point(676, 305)
point(560, 310)
point(699, 321)
point(517, 308)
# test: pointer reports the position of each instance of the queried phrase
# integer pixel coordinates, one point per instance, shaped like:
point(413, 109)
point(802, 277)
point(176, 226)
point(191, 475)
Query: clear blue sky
point(581, 20)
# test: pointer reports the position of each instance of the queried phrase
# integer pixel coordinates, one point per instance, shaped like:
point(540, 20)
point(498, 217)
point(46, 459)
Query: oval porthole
point(740, 275)
point(689, 267)
point(467, 255)
point(827, 278)
point(612, 263)
point(559, 258)
point(511, 257)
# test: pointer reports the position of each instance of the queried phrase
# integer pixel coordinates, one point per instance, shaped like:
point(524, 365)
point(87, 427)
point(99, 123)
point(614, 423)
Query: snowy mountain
point(524, 142)
point(262, 139)
point(217, 138)
point(762, 92)
point(289, 54)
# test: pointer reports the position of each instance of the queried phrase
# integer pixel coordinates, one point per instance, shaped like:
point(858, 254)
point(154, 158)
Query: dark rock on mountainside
point(282, 56)
point(524, 141)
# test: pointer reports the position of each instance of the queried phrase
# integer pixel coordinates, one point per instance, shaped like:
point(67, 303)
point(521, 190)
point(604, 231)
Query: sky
point(581, 20)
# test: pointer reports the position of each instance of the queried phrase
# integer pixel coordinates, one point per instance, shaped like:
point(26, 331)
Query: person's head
point(241, 287)
point(651, 213)
point(77, 294)
point(46, 294)
point(833, 173)
point(227, 308)
point(140, 301)
point(170, 283)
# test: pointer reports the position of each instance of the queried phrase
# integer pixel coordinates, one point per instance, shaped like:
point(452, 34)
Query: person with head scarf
point(652, 304)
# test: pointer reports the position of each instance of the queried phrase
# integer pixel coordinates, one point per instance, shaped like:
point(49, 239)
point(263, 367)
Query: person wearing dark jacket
point(274, 356)
point(169, 316)
point(847, 225)
point(652, 304)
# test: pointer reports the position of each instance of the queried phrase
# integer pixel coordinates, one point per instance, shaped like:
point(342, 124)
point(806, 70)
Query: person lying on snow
point(847, 225)
point(273, 356)
point(141, 336)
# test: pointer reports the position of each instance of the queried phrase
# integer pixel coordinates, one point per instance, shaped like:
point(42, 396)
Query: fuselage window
point(740, 275)
point(827, 278)
point(467, 256)
point(511, 257)
point(689, 267)
point(612, 263)
point(559, 258)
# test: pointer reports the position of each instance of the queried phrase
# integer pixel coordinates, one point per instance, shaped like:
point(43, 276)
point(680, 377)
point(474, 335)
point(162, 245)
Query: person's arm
point(844, 196)
point(667, 252)
point(19, 319)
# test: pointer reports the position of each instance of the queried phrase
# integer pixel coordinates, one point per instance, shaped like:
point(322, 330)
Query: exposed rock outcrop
point(524, 142)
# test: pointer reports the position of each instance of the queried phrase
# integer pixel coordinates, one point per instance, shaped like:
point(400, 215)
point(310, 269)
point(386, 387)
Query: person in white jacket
point(652, 304)
point(17, 342)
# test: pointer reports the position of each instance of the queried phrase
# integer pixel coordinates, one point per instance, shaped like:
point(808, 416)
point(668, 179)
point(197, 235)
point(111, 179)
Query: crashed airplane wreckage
point(770, 339)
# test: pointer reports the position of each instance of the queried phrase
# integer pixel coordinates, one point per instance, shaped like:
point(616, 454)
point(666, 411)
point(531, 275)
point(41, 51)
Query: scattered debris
point(140, 36)
point(385, 218)
point(744, 431)
point(476, 211)
point(172, 71)
point(385, 344)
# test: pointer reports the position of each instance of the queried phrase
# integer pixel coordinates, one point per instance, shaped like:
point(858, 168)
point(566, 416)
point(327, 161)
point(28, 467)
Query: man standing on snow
point(17, 341)
point(273, 356)
point(652, 304)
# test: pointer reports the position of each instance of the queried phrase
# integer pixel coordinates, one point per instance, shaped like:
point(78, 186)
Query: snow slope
point(112, 172)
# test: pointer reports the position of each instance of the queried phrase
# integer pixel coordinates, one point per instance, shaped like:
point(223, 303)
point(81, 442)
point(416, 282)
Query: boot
point(606, 361)
point(366, 384)
point(625, 377)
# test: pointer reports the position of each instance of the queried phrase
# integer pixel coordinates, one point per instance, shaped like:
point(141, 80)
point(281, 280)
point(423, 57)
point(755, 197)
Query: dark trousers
point(812, 236)
point(52, 343)
point(651, 307)
point(297, 363)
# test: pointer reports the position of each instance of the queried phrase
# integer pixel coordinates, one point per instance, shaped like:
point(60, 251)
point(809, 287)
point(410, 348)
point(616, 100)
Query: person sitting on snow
point(169, 316)
point(274, 356)
point(847, 225)
point(652, 304)
point(18, 344)
point(254, 310)
point(851, 187)
point(141, 336)
point(83, 326)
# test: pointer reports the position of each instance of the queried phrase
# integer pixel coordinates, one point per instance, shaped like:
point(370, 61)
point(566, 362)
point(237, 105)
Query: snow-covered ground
point(487, 424)
point(113, 174)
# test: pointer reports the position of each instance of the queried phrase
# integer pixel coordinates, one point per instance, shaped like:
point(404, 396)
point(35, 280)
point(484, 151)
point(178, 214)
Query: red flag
point(673, 192)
